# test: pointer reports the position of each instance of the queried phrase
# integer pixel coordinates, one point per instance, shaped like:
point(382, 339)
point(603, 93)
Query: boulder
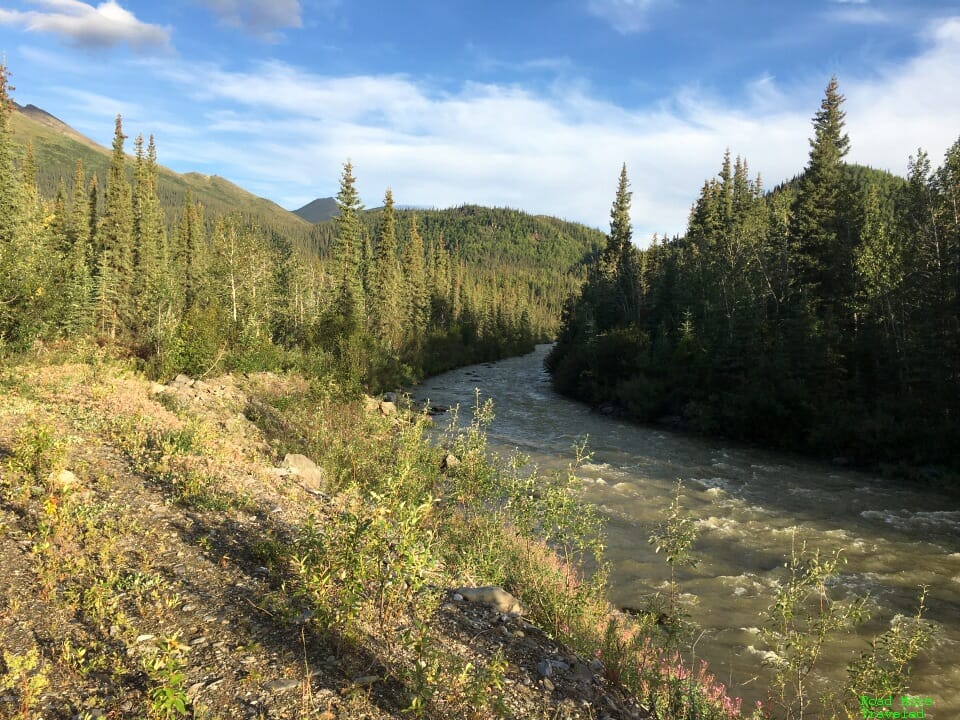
point(449, 462)
point(310, 476)
point(388, 408)
point(65, 480)
point(492, 595)
point(370, 404)
point(390, 397)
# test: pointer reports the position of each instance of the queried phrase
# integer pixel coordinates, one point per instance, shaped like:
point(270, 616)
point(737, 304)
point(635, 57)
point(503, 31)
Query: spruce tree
point(349, 300)
point(822, 255)
point(387, 305)
point(11, 187)
point(417, 295)
point(115, 281)
point(154, 282)
point(191, 251)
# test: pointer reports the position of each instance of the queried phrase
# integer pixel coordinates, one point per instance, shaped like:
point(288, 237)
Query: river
point(748, 504)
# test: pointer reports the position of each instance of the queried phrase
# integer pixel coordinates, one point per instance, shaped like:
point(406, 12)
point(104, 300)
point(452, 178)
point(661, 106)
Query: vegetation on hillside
point(823, 316)
point(201, 287)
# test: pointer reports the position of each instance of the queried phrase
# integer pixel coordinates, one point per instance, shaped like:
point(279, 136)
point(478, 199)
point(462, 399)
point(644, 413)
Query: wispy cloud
point(858, 13)
point(283, 132)
point(106, 25)
point(626, 16)
point(260, 17)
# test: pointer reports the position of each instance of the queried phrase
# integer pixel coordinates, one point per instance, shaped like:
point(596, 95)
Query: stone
point(370, 404)
point(182, 380)
point(310, 476)
point(545, 668)
point(157, 388)
point(492, 595)
point(282, 685)
point(547, 684)
point(450, 462)
point(390, 397)
point(65, 480)
point(388, 408)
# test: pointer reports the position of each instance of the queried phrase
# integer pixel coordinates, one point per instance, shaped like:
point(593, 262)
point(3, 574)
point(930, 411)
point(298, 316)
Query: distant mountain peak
point(318, 210)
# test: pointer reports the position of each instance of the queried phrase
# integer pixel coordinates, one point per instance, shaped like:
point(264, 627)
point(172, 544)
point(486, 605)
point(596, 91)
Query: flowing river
point(749, 503)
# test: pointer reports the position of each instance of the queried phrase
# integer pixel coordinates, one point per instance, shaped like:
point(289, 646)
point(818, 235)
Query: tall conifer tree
point(115, 281)
point(349, 301)
point(822, 253)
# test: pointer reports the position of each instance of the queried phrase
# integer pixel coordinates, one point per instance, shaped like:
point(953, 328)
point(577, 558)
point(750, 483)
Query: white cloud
point(283, 132)
point(859, 13)
point(626, 16)
point(106, 25)
point(261, 17)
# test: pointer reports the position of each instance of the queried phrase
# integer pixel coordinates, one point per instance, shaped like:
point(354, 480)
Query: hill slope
point(153, 553)
point(57, 147)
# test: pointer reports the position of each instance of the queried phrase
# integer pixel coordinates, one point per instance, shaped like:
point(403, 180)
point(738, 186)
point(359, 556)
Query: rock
point(436, 409)
point(388, 408)
point(547, 684)
point(491, 595)
point(366, 680)
point(157, 388)
point(390, 397)
point(370, 404)
point(282, 685)
point(182, 380)
point(65, 480)
point(310, 476)
point(449, 462)
point(457, 597)
point(545, 668)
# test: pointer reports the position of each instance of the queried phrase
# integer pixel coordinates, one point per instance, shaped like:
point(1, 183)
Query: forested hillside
point(191, 273)
point(823, 316)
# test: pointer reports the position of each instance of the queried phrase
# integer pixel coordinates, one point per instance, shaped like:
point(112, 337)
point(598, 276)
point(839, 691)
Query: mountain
point(318, 210)
point(57, 147)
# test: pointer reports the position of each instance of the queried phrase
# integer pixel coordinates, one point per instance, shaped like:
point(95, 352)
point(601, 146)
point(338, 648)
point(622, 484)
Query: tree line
point(198, 294)
point(822, 316)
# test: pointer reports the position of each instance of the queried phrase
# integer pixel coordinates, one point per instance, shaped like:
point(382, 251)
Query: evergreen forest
point(821, 316)
point(191, 274)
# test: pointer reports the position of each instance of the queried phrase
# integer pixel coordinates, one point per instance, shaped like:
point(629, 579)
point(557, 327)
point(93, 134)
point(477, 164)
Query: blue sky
point(527, 104)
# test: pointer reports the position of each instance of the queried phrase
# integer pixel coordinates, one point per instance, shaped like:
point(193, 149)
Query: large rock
point(65, 480)
point(492, 595)
point(310, 476)
point(449, 462)
point(388, 408)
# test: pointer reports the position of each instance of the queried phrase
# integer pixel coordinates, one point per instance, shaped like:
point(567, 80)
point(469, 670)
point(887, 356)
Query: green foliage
point(885, 668)
point(820, 317)
point(802, 621)
point(25, 675)
point(674, 537)
point(168, 697)
point(37, 452)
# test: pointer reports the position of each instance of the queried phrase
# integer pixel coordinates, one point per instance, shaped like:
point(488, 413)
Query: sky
point(527, 104)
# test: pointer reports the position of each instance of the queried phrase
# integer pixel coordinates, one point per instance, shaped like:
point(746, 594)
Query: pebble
point(141, 638)
point(282, 685)
point(545, 668)
point(547, 683)
point(457, 597)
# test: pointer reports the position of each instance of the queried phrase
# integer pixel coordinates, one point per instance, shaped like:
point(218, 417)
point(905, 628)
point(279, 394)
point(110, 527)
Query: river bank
point(748, 505)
